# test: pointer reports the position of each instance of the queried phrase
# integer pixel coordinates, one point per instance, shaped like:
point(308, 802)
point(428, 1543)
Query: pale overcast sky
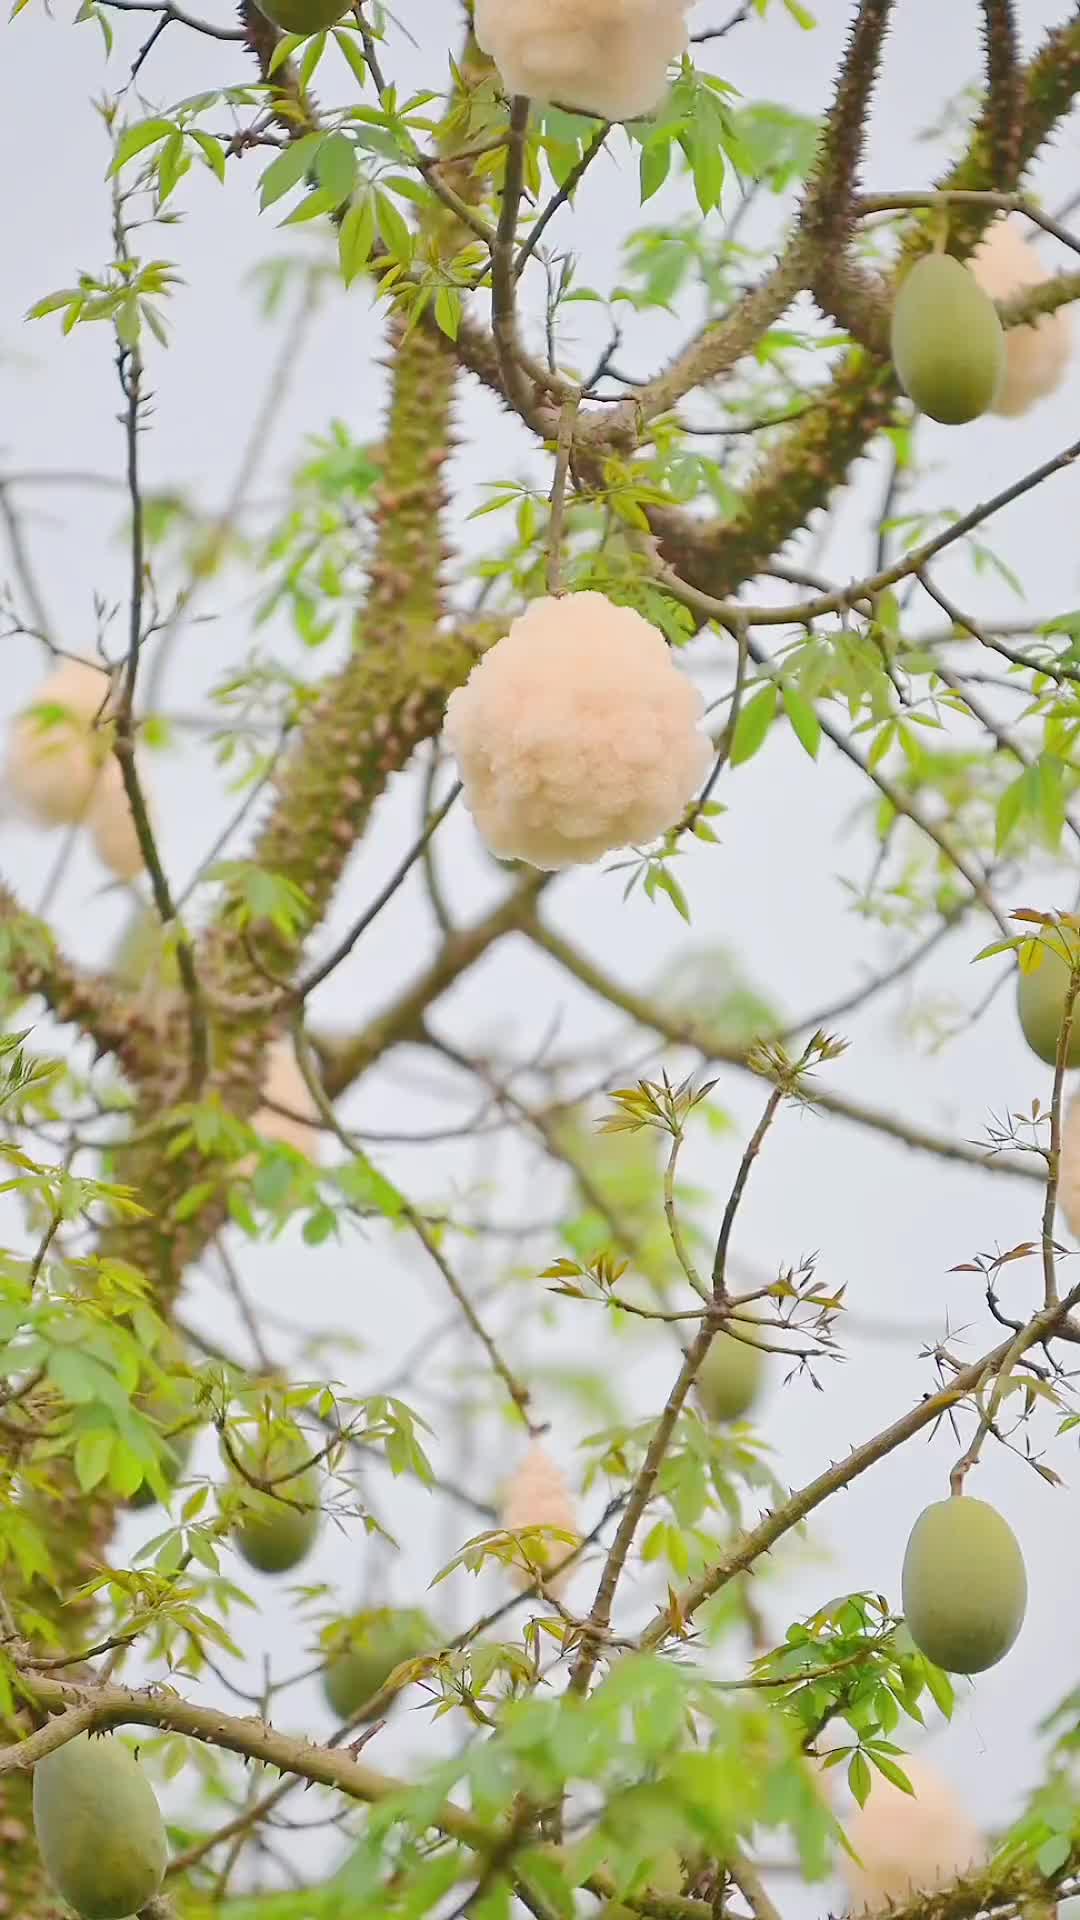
point(887, 1225)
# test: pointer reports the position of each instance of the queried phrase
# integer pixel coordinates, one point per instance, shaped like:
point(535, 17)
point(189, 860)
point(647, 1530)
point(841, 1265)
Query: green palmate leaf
point(1053, 1854)
point(1010, 807)
point(349, 45)
point(393, 229)
point(941, 1688)
point(894, 1774)
point(448, 311)
point(1051, 799)
point(288, 169)
point(654, 166)
point(284, 50)
point(775, 144)
point(135, 139)
point(356, 236)
point(212, 150)
point(313, 207)
point(859, 1777)
point(93, 1450)
point(309, 59)
point(661, 879)
point(805, 724)
point(753, 725)
point(173, 161)
point(335, 167)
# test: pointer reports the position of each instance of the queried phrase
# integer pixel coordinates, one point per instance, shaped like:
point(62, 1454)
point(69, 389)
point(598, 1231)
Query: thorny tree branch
point(1003, 87)
point(660, 1439)
point(762, 1538)
point(723, 558)
point(687, 1033)
point(130, 370)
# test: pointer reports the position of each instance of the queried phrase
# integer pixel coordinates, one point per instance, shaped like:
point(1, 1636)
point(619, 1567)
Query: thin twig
point(566, 192)
point(848, 599)
point(557, 497)
point(172, 12)
point(518, 1393)
point(503, 321)
point(401, 872)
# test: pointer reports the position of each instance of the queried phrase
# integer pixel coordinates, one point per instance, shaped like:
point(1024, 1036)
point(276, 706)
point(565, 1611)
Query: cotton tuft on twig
point(52, 766)
point(538, 1495)
point(284, 1083)
point(1069, 1166)
point(1036, 356)
point(907, 1845)
point(608, 57)
point(576, 734)
point(112, 826)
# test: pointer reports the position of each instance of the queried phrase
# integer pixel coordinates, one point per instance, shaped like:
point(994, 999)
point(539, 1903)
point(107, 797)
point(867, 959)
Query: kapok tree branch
point(34, 966)
point(389, 695)
point(800, 472)
point(762, 1538)
point(660, 1439)
point(344, 1061)
point(847, 291)
point(1001, 44)
point(79, 1709)
point(130, 369)
point(845, 599)
point(688, 1033)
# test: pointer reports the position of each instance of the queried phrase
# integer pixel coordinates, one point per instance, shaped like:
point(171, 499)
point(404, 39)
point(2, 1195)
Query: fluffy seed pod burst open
point(908, 1845)
point(112, 825)
point(608, 57)
point(1036, 356)
point(55, 760)
point(538, 1495)
point(576, 734)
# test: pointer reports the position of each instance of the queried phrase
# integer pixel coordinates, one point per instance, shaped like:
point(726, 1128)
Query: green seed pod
point(271, 1534)
point(302, 16)
point(376, 1644)
point(948, 345)
point(99, 1828)
point(731, 1376)
point(964, 1585)
point(1040, 998)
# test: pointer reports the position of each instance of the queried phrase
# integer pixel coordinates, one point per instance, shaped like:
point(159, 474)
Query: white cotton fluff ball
point(112, 826)
point(52, 767)
point(538, 1495)
point(1069, 1166)
point(908, 1845)
point(608, 57)
point(576, 734)
point(284, 1082)
point(1035, 356)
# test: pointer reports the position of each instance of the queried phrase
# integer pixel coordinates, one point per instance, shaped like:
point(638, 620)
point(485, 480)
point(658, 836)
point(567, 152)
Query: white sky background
point(888, 1224)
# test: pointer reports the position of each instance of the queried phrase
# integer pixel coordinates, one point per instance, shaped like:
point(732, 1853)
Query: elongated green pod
point(99, 1828)
point(964, 1585)
point(1041, 993)
point(302, 16)
point(378, 1642)
point(732, 1375)
point(948, 345)
point(276, 1530)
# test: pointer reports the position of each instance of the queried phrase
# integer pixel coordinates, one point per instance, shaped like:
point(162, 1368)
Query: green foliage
point(657, 1757)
